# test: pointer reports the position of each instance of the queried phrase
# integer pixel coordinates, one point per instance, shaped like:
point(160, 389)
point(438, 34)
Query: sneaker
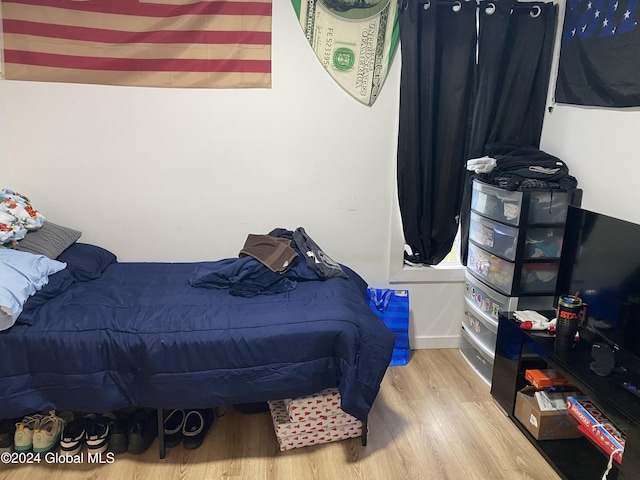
point(173, 424)
point(23, 438)
point(197, 424)
point(46, 436)
point(97, 431)
point(72, 438)
point(7, 433)
point(143, 428)
point(411, 258)
point(119, 440)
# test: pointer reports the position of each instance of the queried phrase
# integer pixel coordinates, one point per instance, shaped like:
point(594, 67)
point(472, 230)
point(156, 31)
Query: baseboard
point(427, 343)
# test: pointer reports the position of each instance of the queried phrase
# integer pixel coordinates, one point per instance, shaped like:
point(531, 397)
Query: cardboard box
point(311, 431)
point(547, 425)
point(545, 378)
point(318, 437)
point(324, 403)
point(283, 425)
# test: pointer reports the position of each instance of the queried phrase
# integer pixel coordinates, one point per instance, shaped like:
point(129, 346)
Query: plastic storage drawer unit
point(493, 236)
point(480, 360)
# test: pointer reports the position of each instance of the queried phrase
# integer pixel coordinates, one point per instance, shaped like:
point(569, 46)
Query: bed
point(104, 335)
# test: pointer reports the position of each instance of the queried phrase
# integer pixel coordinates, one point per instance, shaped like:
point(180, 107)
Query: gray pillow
point(49, 240)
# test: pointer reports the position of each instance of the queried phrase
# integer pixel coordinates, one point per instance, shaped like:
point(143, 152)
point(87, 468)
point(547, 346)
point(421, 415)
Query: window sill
point(448, 273)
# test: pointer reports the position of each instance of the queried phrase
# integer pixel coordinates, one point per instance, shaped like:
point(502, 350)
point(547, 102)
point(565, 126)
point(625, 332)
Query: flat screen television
point(601, 260)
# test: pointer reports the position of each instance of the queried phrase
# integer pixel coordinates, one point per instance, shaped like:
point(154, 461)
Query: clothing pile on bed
point(269, 264)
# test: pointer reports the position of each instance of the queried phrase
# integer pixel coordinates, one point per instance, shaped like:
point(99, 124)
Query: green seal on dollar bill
point(344, 59)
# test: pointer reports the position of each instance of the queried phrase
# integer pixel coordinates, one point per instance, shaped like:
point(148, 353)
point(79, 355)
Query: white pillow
point(21, 275)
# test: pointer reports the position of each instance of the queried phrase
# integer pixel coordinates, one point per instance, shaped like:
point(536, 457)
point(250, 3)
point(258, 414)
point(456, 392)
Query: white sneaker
point(47, 436)
point(23, 438)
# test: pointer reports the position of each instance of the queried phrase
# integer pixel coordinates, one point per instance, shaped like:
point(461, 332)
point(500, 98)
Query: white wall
point(182, 175)
point(601, 147)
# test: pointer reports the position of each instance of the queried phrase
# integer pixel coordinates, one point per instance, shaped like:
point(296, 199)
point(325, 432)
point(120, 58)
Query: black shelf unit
point(575, 459)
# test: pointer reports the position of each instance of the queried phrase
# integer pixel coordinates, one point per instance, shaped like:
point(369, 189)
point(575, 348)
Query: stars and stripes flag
point(158, 43)
point(600, 54)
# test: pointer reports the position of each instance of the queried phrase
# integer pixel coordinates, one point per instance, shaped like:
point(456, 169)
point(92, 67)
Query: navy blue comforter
point(141, 335)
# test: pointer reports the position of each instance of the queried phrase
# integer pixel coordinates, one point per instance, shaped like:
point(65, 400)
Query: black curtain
point(515, 49)
point(438, 47)
point(451, 107)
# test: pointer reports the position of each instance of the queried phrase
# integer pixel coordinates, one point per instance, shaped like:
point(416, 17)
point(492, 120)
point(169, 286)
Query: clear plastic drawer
point(480, 360)
point(543, 242)
point(493, 236)
point(489, 304)
point(506, 205)
point(539, 278)
point(486, 301)
point(496, 203)
point(493, 270)
point(549, 207)
point(484, 333)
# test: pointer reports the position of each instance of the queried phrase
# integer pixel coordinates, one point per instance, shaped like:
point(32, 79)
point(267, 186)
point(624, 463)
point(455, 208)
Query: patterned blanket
point(17, 216)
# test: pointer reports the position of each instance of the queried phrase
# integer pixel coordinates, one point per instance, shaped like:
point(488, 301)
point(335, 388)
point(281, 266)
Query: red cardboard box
point(319, 437)
point(283, 425)
point(312, 420)
point(545, 378)
point(324, 403)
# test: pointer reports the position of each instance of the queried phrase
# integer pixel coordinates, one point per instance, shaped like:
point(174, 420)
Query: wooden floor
point(433, 419)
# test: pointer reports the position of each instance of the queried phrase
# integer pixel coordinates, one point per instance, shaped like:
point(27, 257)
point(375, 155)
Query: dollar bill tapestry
point(355, 41)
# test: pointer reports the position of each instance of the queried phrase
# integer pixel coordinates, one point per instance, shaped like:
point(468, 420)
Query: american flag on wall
point(156, 43)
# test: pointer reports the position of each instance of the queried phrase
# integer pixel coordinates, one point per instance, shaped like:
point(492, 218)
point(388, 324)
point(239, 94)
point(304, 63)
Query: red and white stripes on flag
point(156, 43)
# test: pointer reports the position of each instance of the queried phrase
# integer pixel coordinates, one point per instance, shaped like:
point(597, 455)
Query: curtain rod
point(516, 5)
point(455, 4)
point(534, 8)
point(442, 2)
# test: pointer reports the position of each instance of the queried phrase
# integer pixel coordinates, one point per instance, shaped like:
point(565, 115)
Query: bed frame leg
point(365, 430)
point(161, 433)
